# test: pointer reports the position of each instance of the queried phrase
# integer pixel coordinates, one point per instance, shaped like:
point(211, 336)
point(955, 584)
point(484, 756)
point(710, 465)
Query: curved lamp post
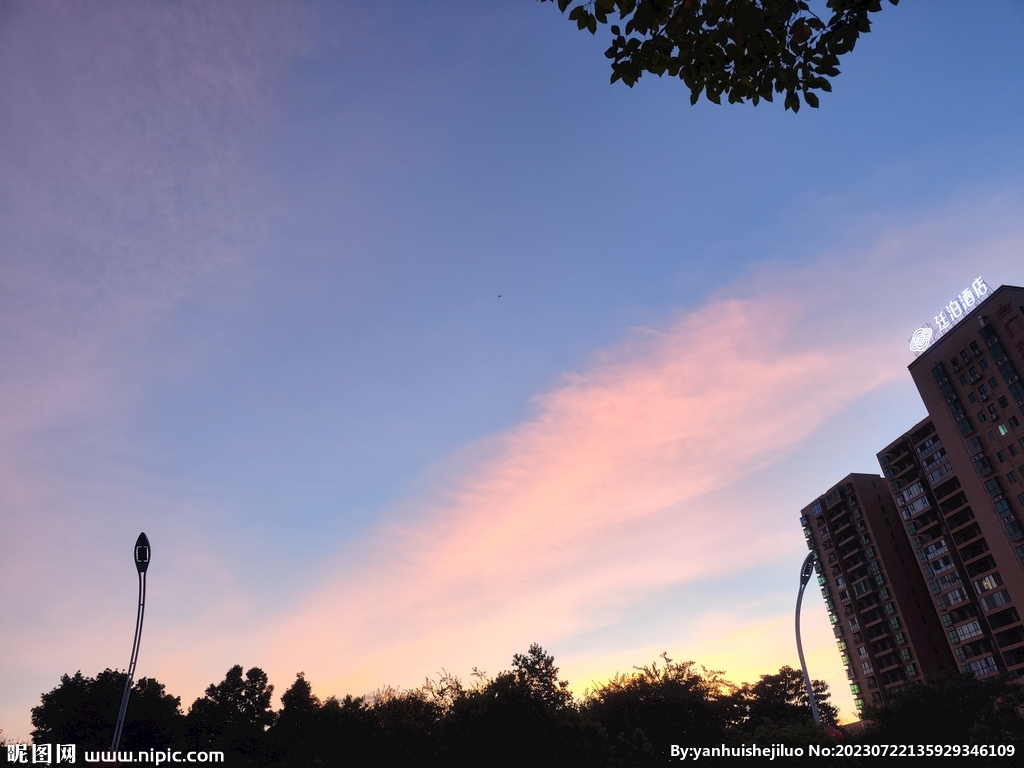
point(141, 564)
point(805, 575)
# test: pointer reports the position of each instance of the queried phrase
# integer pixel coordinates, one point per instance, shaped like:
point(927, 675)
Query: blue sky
point(362, 311)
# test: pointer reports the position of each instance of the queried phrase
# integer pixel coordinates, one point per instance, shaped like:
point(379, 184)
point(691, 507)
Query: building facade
point(873, 590)
point(948, 545)
point(924, 570)
point(969, 380)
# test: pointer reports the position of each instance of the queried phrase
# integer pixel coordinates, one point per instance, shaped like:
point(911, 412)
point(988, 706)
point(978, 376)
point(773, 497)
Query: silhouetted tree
point(83, 710)
point(295, 737)
point(348, 728)
point(952, 708)
point(234, 716)
point(774, 710)
point(309, 733)
point(522, 717)
point(781, 699)
point(537, 671)
point(648, 710)
point(407, 722)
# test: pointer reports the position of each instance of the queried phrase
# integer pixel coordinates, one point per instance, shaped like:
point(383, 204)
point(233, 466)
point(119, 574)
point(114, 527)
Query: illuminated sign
point(950, 315)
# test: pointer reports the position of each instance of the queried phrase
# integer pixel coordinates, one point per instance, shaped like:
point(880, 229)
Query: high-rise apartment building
point(969, 379)
point(949, 547)
point(927, 566)
point(876, 598)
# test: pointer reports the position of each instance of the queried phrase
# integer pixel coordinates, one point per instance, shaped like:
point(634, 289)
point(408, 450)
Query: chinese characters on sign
point(43, 754)
point(950, 315)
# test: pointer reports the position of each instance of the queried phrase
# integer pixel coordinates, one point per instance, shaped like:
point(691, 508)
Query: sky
point(410, 341)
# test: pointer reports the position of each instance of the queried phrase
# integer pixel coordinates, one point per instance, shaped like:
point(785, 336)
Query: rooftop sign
point(950, 315)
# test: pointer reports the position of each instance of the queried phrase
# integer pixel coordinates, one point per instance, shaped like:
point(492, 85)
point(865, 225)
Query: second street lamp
point(805, 575)
point(141, 564)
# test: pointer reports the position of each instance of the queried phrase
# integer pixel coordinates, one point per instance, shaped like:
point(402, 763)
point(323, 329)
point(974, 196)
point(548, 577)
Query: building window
point(1012, 449)
point(991, 581)
point(862, 651)
point(966, 632)
point(1004, 403)
point(854, 688)
point(1011, 476)
point(971, 398)
point(866, 667)
point(901, 639)
point(958, 595)
point(854, 624)
point(982, 416)
point(1001, 456)
point(984, 364)
point(963, 378)
point(1003, 429)
point(911, 670)
point(890, 608)
point(894, 622)
point(995, 600)
point(982, 666)
point(905, 654)
point(993, 383)
point(1014, 422)
point(876, 699)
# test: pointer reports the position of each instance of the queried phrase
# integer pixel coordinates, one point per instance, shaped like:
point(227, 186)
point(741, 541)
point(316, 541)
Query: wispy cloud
point(556, 527)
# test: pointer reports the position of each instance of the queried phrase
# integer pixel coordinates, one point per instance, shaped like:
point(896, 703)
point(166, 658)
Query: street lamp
point(141, 564)
point(805, 575)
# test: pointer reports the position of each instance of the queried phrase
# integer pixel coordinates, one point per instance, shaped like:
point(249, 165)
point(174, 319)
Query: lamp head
point(807, 569)
point(142, 553)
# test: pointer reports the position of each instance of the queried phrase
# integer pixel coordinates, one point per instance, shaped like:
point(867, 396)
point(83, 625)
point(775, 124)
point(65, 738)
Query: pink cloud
point(625, 480)
point(584, 507)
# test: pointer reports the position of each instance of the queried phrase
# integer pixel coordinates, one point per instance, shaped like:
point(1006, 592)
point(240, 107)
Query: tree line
point(521, 716)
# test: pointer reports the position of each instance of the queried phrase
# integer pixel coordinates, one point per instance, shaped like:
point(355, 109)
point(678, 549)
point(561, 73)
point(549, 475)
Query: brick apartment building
point(948, 511)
